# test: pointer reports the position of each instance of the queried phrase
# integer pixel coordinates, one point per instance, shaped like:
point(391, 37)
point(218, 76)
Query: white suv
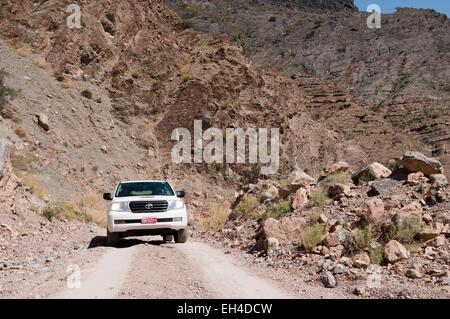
point(141, 208)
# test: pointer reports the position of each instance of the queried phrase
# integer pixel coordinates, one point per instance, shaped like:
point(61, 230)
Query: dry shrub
point(42, 63)
point(215, 218)
point(21, 131)
point(92, 206)
point(67, 83)
point(33, 185)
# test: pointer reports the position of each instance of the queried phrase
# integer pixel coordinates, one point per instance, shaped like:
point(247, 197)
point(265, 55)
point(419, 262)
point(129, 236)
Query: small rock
point(415, 178)
point(340, 269)
point(43, 121)
point(413, 273)
point(394, 251)
point(439, 181)
point(431, 231)
point(361, 260)
point(104, 149)
point(332, 239)
point(328, 279)
point(271, 244)
point(359, 291)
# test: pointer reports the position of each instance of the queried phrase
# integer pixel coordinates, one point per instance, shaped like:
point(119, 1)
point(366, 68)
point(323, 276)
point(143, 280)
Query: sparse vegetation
point(215, 219)
point(311, 236)
point(247, 208)
point(135, 75)
point(21, 131)
point(42, 63)
point(87, 94)
point(59, 77)
point(376, 255)
point(186, 24)
point(272, 19)
point(340, 177)
point(65, 211)
point(219, 166)
point(186, 78)
point(5, 92)
point(362, 237)
point(33, 186)
point(277, 210)
point(409, 229)
point(318, 198)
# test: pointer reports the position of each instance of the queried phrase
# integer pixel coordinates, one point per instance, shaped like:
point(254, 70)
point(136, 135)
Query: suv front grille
point(155, 206)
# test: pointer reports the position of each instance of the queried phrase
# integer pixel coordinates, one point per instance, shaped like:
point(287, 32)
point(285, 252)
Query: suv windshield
point(143, 189)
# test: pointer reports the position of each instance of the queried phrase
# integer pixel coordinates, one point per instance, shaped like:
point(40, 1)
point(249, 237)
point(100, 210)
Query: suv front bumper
point(122, 222)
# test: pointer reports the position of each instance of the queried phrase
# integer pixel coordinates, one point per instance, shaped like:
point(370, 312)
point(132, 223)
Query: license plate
point(150, 220)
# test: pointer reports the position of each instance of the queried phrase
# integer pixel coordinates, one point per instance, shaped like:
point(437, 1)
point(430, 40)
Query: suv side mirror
point(107, 196)
point(181, 194)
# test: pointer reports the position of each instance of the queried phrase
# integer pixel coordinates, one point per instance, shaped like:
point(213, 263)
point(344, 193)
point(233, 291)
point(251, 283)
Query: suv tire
point(112, 239)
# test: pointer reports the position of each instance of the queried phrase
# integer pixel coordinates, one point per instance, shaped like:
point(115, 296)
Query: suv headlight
point(119, 206)
point(176, 204)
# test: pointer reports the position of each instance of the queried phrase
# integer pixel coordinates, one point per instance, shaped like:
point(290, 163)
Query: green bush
point(340, 177)
point(409, 229)
point(311, 236)
point(186, 24)
point(247, 208)
point(59, 77)
point(87, 94)
point(362, 237)
point(65, 212)
point(376, 255)
point(318, 198)
point(186, 78)
point(277, 210)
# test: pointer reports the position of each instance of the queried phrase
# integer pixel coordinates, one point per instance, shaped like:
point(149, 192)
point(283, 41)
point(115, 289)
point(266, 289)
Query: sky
point(388, 6)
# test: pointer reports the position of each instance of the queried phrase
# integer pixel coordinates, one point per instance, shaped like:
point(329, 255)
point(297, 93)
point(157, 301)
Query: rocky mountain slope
point(400, 71)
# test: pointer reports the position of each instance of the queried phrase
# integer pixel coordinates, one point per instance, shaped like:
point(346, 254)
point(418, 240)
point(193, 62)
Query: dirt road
point(154, 269)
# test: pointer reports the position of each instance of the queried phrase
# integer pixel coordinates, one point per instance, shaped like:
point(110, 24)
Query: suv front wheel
point(112, 239)
point(181, 236)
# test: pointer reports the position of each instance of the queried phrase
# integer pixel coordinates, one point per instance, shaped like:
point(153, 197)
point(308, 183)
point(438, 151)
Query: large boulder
point(418, 162)
point(374, 209)
point(339, 167)
point(335, 189)
point(371, 172)
point(297, 179)
point(300, 199)
point(383, 186)
point(394, 252)
point(285, 230)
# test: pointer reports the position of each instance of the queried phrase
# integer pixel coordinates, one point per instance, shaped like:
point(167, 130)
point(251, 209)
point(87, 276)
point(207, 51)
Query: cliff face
point(399, 71)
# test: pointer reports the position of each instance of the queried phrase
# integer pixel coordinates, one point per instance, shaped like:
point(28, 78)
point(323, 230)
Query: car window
point(144, 189)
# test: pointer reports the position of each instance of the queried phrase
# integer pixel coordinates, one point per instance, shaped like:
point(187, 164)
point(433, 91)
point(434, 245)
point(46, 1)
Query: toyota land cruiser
point(141, 208)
